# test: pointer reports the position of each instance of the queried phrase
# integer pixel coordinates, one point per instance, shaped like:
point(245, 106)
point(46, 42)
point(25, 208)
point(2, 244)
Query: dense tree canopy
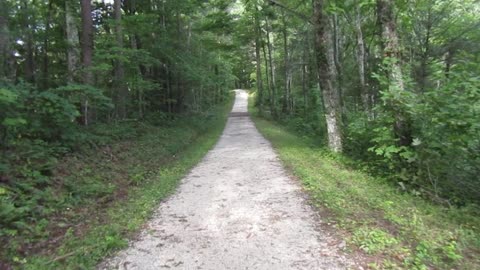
point(393, 83)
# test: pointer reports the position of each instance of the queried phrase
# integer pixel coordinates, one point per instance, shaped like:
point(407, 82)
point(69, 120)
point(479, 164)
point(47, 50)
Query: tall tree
point(286, 92)
point(361, 58)
point(4, 39)
point(73, 42)
point(392, 56)
point(87, 51)
point(271, 69)
point(29, 24)
point(258, 58)
point(119, 80)
point(327, 78)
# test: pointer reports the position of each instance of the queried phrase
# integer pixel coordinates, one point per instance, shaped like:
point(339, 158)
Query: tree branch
point(294, 12)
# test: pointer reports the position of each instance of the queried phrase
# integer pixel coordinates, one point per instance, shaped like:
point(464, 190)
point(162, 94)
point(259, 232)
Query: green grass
point(108, 194)
point(396, 230)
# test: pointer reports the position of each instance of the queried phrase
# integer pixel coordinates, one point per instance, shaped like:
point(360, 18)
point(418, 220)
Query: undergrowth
point(395, 228)
point(98, 197)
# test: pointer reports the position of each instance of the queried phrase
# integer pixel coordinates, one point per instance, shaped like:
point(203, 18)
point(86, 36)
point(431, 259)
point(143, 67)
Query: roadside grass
point(396, 230)
point(104, 196)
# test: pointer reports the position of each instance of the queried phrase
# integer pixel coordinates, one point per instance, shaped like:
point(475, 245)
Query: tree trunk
point(45, 62)
point(326, 72)
point(272, 74)
point(361, 62)
point(267, 77)
point(286, 93)
point(87, 51)
point(391, 52)
point(4, 41)
point(390, 44)
point(336, 41)
point(304, 75)
point(119, 72)
point(72, 42)
point(29, 65)
point(258, 62)
point(422, 82)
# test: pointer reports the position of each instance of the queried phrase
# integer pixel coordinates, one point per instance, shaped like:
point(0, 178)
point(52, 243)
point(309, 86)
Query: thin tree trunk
point(87, 51)
point(73, 54)
point(304, 77)
point(326, 72)
point(425, 55)
point(361, 62)
point(336, 41)
point(45, 73)
point(267, 78)
point(286, 93)
point(272, 73)
point(448, 59)
point(258, 62)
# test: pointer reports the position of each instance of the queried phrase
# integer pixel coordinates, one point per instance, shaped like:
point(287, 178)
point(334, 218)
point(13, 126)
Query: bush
point(442, 160)
point(36, 127)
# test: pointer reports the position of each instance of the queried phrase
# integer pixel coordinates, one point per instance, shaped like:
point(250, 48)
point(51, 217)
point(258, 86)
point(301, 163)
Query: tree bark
point(29, 65)
point(364, 93)
point(4, 41)
point(286, 93)
point(73, 42)
point(45, 61)
point(304, 75)
point(119, 71)
point(87, 51)
point(258, 61)
point(326, 73)
point(390, 44)
point(391, 52)
point(267, 77)
point(272, 73)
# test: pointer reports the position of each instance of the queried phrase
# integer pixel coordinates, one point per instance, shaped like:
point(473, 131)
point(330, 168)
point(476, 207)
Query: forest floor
point(237, 209)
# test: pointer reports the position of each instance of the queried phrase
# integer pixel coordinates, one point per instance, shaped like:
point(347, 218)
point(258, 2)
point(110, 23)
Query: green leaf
point(12, 122)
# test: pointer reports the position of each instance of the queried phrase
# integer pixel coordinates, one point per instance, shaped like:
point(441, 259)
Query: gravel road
point(237, 209)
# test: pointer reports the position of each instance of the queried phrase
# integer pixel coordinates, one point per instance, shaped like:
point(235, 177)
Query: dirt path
point(237, 209)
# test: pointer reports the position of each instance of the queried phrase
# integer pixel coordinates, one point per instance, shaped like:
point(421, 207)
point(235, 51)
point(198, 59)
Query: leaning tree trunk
point(326, 72)
point(73, 53)
point(87, 51)
point(391, 52)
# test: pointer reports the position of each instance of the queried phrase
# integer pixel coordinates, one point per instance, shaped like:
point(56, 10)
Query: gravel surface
point(237, 209)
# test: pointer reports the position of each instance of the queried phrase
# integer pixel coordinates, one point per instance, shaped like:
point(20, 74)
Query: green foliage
point(403, 230)
point(441, 160)
point(84, 201)
point(37, 128)
point(373, 240)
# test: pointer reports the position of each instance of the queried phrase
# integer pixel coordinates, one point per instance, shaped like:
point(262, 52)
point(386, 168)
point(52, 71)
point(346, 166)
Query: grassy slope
point(396, 229)
point(135, 176)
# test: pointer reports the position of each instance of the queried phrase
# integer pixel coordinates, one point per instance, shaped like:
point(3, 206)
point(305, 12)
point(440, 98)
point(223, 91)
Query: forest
point(96, 95)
